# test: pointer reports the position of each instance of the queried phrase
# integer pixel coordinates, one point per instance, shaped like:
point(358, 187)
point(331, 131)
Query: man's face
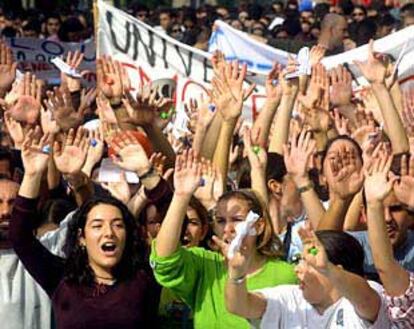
point(52, 26)
point(397, 220)
point(8, 193)
point(338, 33)
point(291, 203)
point(165, 21)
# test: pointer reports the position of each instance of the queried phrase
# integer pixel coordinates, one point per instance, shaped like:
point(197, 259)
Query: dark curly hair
point(77, 269)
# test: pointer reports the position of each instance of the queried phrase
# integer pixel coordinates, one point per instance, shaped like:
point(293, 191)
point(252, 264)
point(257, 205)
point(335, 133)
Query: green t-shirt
point(198, 276)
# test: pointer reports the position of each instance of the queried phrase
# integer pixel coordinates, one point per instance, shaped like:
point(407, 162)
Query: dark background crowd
point(301, 21)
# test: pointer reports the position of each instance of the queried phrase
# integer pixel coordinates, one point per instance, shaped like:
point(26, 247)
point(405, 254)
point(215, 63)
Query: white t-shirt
point(287, 309)
point(23, 303)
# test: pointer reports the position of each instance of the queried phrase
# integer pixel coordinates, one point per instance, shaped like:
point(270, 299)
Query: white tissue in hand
point(242, 230)
point(65, 68)
point(303, 60)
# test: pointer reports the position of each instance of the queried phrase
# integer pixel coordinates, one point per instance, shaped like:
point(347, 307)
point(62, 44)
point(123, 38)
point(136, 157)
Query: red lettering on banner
point(186, 86)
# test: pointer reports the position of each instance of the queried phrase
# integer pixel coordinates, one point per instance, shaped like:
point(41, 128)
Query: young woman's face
point(341, 146)
point(195, 231)
point(229, 214)
point(104, 237)
point(153, 221)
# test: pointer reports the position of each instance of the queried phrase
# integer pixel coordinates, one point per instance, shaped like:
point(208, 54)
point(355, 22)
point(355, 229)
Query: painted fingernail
point(256, 149)
point(164, 115)
point(202, 181)
point(211, 107)
point(46, 149)
point(93, 142)
point(313, 251)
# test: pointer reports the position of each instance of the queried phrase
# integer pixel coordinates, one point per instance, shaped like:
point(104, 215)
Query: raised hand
point(365, 127)
point(146, 109)
point(88, 96)
point(35, 154)
point(345, 176)
point(60, 104)
point(239, 264)
point(95, 150)
point(341, 86)
point(314, 253)
point(317, 85)
point(158, 162)
point(205, 191)
point(316, 54)
point(273, 89)
point(256, 154)
point(119, 190)
point(187, 175)
point(298, 156)
point(218, 62)
point(373, 69)
point(27, 107)
point(112, 78)
point(74, 60)
point(206, 111)
point(228, 93)
point(404, 185)
point(341, 123)
point(47, 122)
point(377, 184)
point(15, 130)
point(7, 68)
point(131, 155)
point(106, 112)
point(70, 156)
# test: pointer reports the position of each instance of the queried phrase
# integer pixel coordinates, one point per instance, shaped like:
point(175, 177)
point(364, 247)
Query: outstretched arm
point(375, 72)
point(45, 268)
point(354, 288)
point(377, 187)
point(186, 180)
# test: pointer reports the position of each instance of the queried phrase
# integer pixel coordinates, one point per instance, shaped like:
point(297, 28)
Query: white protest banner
point(259, 57)
point(150, 55)
point(35, 55)
point(236, 44)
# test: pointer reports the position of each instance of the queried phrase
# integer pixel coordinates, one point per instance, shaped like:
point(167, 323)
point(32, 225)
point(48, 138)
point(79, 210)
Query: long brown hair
point(267, 243)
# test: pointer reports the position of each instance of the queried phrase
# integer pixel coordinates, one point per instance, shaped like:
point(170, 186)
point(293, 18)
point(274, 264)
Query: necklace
point(111, 280)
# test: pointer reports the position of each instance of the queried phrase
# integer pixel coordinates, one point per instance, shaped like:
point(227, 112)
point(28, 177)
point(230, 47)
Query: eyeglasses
point(176, 31)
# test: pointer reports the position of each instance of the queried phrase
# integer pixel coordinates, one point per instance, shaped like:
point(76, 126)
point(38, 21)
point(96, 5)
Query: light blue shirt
point(404, 254)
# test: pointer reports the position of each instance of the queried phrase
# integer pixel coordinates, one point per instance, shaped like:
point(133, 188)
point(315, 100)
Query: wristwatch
point(238, 280)
point(306, 188)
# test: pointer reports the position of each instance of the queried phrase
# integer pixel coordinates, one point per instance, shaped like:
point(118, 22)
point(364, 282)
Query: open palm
point(187, 173)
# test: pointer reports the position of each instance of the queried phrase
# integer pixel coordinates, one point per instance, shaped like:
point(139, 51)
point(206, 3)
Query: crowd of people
point(287, 26)
point(327, 173)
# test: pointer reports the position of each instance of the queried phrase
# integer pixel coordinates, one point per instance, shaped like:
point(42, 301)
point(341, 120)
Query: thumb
point(221, 244)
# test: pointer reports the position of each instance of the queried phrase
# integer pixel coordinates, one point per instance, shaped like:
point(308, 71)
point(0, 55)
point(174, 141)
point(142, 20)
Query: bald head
point(334, 28)
point(331, 20)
